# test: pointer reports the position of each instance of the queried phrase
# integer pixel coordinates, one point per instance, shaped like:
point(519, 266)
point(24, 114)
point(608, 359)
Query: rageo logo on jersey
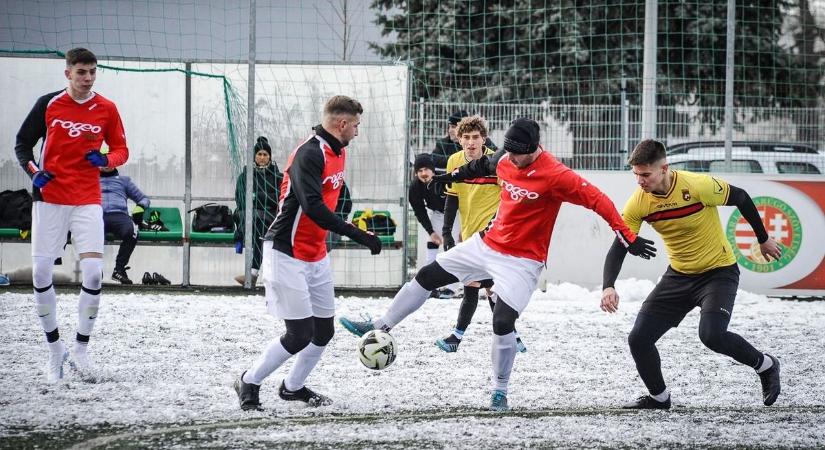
point(75, 128)
point(336, 179)
point(518, 193)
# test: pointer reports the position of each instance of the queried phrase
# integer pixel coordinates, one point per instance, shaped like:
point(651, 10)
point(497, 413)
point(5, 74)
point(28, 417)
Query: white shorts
point(514, 278)
point(51, 223)
point(296, 289)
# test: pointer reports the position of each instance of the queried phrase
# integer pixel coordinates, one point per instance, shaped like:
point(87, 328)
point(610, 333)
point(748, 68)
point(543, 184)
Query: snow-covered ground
point(167, 363)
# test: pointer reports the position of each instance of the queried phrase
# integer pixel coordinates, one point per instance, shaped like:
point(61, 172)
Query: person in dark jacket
point(116, 189)
point(448, 145)
point(266, 189)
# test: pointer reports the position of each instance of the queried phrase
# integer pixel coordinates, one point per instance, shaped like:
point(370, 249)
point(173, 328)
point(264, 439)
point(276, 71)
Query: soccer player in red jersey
point(513, 249)
point(296, 268)
point(73, 124)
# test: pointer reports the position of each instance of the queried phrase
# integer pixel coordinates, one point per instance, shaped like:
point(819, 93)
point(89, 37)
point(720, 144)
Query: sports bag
point(377, 222)
point(16, 209)
point(212, 217)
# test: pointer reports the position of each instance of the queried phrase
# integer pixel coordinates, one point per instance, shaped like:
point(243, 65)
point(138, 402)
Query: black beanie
point(424, 160)
point(263, 144)
point(522, 137)
point(457, 116)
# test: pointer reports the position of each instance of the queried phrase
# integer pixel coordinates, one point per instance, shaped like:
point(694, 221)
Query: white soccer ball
point(377, 349)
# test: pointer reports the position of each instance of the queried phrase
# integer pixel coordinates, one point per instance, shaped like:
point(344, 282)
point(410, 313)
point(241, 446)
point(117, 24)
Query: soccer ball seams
point(377, 349)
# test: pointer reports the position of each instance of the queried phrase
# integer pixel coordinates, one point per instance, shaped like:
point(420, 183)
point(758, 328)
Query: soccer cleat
point(357, 328)
point(770, 382)
point(4, 280)
point(120, 275)
point(647, 402)
point(54, 368)
point(449, 344)
point(498, 401)
point(82, 364)
point(305, 395)
point(147, 279)
point(446, 294)
point(160, 279)
point(248, 394)
point(520, 346)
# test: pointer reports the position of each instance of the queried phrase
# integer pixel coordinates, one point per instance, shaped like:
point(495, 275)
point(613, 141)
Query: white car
point(747, 157)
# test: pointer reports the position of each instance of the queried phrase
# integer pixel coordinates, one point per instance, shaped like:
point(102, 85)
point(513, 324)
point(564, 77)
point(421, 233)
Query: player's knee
point(324, 330)
point(637, 340)
point(432, 246)
point(92, 271)
point(711, 337)
point(42, 271)
point(504, 319)
point(433, 276)
point(298, 334)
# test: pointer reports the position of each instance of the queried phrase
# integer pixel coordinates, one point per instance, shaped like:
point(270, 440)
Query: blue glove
point(239, 247)
point(41, 178)
point(96, 158)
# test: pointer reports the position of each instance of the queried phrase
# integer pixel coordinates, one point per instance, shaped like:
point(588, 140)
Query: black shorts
point(678, 293)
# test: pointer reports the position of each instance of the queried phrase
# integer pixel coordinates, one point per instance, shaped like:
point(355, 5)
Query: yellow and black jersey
point(687, 219)
point(477, 198)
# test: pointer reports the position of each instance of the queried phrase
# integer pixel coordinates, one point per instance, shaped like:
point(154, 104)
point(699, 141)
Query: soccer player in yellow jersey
point(681, 207)
point(476, 201)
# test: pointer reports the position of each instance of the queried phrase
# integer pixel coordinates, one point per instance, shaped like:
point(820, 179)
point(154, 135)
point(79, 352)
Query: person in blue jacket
point(116, 189)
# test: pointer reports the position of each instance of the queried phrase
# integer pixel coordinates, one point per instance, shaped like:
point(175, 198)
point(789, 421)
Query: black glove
point(641, 247)
point(443, 178)
point(368, 240)
point(137, 217)
point(449, 242)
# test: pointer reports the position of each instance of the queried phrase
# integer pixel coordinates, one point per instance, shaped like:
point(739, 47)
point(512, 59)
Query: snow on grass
point(169, 360)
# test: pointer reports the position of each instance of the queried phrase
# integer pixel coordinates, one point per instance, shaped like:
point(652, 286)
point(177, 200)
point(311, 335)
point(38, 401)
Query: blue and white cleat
point(498, 402)
point(520, 346)
point(449, 344)
point(357, 328)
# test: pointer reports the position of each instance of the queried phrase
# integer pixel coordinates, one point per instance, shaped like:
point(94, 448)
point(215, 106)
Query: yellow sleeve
point(452, 164)
point(632, 214)
point(712, 191)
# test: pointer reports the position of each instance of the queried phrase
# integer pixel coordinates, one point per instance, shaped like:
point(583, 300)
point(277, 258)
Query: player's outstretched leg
point(519, 344)
point(713, 332)
point(292, 388)
point(87, 311)
point(45, 299)
point(465, 315)
point(642, 340)
point(503, 353)
point(297, 336)
point(409, 298)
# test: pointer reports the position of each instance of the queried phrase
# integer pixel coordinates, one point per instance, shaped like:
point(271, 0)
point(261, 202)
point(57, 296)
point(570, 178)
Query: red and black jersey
point(530, 201)
point(69, 129)
point(313, 179)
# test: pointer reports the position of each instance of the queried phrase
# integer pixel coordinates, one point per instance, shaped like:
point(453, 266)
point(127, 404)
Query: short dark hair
point(647, 152)
point(80, 55)
point(341, 104)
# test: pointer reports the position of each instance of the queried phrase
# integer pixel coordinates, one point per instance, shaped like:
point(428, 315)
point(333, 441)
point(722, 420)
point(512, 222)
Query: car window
point(796, 167)
point(690, 166)
point(737, 165)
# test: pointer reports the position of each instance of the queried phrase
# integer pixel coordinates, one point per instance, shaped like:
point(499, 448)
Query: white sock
point(662, 397)
point(307, 359)
point(56, 347)
point(409, 298)
point(767, 363)
point(273, 356)
point(88, 304)
point(80, 348)
point(431, 254)
point(459, 334)
point(504, 353)
point(46, 302)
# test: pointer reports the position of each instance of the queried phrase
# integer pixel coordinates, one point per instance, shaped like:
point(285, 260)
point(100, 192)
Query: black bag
point(212, 217)
point(16, 209)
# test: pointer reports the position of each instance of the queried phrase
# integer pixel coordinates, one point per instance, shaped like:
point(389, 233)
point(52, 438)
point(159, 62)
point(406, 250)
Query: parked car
point(747, 157)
